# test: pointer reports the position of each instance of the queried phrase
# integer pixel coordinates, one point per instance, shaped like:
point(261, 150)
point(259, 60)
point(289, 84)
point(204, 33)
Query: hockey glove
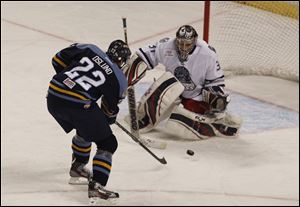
point(216, 98)
point(111, 115)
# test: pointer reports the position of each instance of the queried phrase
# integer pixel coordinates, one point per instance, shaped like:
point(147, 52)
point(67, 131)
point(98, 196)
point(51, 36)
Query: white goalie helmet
point(186, 38)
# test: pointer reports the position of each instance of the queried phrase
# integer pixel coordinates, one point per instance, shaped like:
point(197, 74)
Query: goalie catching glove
point(216, 98)
point(110, 115)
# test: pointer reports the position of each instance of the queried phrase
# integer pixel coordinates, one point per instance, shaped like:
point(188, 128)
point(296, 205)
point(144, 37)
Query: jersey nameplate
point(102, 64)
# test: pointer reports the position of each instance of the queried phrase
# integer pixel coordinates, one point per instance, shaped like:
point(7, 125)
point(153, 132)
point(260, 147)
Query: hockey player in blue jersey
point(84, 74)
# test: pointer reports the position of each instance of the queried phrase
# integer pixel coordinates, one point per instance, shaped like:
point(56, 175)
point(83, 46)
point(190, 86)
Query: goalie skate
point(80, 175)
point(99, 195)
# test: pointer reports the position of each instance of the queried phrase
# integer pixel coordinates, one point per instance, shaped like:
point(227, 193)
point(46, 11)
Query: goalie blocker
point(162, 100)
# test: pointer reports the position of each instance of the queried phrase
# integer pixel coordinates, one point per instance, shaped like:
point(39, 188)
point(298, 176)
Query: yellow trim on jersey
point(105, 108)
point(81, 149)
point(102, 164)
point(59, 61)
point(68, 92)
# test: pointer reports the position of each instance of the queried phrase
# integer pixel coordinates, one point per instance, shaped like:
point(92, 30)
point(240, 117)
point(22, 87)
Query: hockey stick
point(161, 160)
point(134, 126)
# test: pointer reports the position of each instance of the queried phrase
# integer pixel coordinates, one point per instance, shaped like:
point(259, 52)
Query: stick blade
point(163, 161)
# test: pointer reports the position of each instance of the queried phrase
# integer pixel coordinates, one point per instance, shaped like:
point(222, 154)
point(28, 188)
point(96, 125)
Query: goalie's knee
point(158, 102)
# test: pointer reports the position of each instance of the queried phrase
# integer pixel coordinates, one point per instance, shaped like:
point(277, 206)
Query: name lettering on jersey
point(99, 61)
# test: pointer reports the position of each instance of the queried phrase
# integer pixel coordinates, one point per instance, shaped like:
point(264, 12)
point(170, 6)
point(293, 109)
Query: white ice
point(260, 167)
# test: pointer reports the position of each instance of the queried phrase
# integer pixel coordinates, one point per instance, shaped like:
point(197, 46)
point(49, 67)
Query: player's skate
point(80, 175)
point(99, 195)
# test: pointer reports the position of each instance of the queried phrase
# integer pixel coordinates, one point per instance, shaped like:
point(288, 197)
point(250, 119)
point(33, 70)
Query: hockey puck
point(190, 152)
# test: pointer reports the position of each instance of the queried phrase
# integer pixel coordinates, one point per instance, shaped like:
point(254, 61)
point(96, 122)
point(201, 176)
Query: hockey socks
point(81, 149)
point(101, 166)
point(80, 175)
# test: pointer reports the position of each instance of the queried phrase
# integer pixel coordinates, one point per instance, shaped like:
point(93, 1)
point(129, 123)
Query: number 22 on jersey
point(84, 81)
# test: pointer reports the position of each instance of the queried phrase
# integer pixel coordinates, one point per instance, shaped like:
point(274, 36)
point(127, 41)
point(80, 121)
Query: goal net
point(256, 37)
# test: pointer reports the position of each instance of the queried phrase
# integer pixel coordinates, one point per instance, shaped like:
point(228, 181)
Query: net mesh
point(256, 38)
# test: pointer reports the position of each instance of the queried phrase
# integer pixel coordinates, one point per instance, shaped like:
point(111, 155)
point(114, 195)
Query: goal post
point(254, 37)
point(206, 20)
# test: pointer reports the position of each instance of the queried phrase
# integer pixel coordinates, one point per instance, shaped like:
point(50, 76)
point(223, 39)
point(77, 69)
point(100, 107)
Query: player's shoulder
point(165, 40)
point(166, 44)
point(90, 46)
point(91, 49)
point(205, 49)
point(159, 47)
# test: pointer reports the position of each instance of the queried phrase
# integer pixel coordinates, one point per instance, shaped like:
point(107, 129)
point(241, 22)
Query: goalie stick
point(161, 160)
point(134, 127)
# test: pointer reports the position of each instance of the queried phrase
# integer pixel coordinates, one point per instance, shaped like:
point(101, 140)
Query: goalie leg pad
point(190, 125)
point(227, 125)
point(158, 102)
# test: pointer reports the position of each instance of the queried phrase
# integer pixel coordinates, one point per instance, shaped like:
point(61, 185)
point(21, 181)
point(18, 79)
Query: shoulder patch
point(68, 82)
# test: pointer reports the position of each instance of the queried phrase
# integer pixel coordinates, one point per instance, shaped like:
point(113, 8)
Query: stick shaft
point(125, 29)
point(161, 160)
point(134, 127)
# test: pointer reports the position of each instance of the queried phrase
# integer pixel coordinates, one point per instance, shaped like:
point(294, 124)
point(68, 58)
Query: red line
point(163, 32)
point(72, 41)
point(37, 30)
point(132, 43)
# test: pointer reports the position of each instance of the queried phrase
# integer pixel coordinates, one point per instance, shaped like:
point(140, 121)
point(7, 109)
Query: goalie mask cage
point(254, 37)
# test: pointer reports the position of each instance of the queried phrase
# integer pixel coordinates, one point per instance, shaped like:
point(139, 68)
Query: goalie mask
point(119, 52)
point(186, 38)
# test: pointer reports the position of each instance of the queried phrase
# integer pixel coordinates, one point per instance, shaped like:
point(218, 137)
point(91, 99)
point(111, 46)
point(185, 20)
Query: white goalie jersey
point(201, 68)
point(189, 94)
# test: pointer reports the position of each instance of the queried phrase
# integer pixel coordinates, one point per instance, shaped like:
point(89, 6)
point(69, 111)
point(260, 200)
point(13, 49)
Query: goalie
point(190, 93)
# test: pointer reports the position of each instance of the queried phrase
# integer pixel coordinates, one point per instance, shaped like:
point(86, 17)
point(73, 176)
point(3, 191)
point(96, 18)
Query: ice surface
point(261, 167)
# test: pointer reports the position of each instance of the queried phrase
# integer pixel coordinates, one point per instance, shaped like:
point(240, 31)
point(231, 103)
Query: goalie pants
point(199, 107)
point(91, 126)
